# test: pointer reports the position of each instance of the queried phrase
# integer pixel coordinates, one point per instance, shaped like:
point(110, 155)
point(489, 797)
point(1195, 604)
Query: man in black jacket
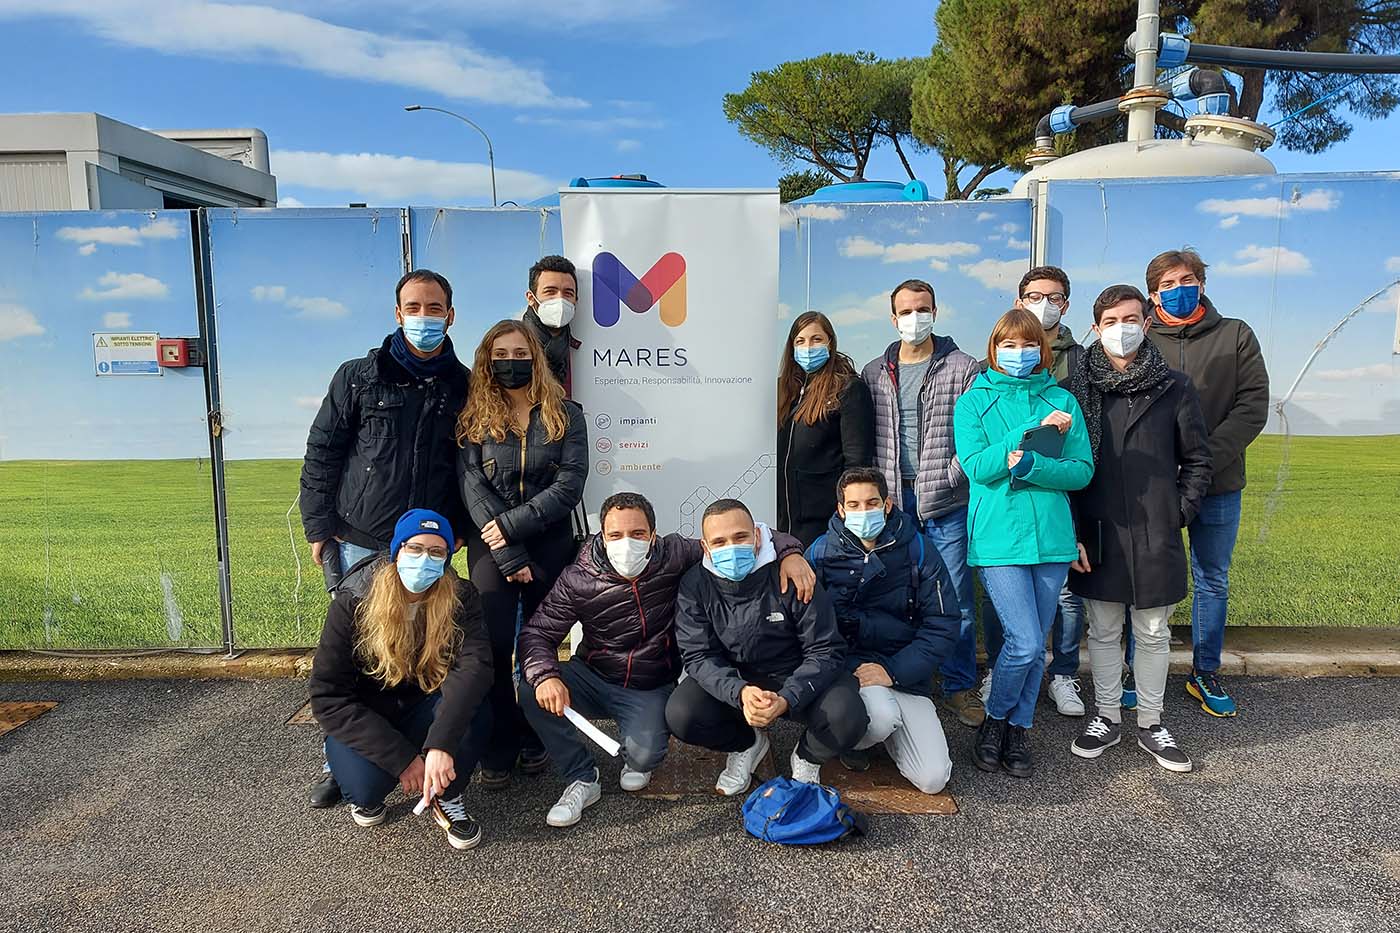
point(550, 304)
point(1151, 472)
point(754, 654)
point(384, 441)
point(1223, 358)
point(622, 591)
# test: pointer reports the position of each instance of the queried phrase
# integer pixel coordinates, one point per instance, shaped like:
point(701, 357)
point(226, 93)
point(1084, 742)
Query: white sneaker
point(986, 690)
point(577, 797)
point(1064, 690)
point(633, 780)
point(805, 771)
point(740, 766)
point(368, 816)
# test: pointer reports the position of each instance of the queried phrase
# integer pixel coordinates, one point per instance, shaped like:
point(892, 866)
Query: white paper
point(606, 742)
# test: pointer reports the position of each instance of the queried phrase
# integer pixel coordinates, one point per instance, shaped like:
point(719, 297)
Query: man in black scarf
point(1152, 468)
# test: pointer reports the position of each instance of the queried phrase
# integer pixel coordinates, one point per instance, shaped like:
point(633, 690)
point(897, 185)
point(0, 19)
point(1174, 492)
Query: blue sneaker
point(1207, 689)
point(1129, 700)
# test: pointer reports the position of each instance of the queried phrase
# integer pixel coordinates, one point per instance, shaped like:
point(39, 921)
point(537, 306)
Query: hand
point(521, 576)
point(870, 674)
point(552, 695)
point(411, 779)
point(491, 534)
point(1060, 419)
point(1013, 458)
point(438, 772)
point(765, 717)
point(317, 547)
point(795, 570)
point(1081, 565)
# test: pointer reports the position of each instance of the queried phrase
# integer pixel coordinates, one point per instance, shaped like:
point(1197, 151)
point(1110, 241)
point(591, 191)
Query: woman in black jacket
point(399, 681)
point(826, 426)
point(522, 465)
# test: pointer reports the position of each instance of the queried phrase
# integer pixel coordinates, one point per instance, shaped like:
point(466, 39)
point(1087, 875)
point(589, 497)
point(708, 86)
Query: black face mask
point(513, 374)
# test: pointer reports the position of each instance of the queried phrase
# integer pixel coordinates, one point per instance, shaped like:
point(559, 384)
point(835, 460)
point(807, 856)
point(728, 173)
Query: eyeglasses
point(1056, 298)
point(418, 550)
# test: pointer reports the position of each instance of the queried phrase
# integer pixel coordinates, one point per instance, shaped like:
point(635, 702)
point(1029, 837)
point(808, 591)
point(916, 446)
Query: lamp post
point(490, 152)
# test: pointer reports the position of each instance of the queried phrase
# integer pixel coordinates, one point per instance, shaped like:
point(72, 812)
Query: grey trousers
point(908, 725)
point(1150, 661)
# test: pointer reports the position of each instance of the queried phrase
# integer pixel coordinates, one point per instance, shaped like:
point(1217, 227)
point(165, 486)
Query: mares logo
point(614, 285)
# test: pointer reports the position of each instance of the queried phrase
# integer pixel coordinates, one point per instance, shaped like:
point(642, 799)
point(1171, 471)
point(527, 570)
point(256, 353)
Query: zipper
point(523, 438)
point(787, 474)
point(637, 595)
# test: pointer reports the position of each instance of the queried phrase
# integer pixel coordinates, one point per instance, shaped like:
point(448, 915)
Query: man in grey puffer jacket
point(915, 385)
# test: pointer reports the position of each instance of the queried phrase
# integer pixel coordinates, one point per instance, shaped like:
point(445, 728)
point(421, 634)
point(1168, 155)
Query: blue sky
point(590, 87)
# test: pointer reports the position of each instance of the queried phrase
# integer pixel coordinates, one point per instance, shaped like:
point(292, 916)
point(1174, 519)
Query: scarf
point(1096, 376)
point(417, 367)
point(1191, 318)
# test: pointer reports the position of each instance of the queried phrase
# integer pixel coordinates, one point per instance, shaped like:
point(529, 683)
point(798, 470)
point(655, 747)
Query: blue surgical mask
point(1180, 301)
point(734, 562)
point(419, 573)
point(424, 331)
point(811, 359)
point(1018, 361)
point(865, 525)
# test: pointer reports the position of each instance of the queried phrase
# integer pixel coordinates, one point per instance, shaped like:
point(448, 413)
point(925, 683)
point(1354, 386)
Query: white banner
point(678, 317)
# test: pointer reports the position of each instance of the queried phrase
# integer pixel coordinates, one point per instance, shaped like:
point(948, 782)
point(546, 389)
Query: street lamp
point(490, 152)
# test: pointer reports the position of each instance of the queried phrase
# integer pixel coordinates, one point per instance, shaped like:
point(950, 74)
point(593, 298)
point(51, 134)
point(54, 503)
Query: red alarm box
point(173, 352)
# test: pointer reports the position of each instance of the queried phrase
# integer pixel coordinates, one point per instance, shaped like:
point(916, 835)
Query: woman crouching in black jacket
point(399, 681)
point(522, 465)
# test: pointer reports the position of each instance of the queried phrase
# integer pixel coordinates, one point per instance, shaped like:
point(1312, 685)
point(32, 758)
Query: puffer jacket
point(895, 604)
point(528, 485)
point(1226, 365)
point(382, 443)
point(628, 625)
point(940, 484)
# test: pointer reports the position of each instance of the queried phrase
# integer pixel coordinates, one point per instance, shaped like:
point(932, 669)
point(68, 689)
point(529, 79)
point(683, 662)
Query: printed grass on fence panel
point(93, 542)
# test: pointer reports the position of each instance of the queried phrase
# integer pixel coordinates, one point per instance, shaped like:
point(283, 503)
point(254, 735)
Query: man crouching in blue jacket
point(754, 654)
point(898, 611)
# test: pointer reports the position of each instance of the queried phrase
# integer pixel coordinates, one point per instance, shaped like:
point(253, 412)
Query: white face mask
point(915, 328)
point(1048, 314)
point(628, 556)
point(1121, 340)
point(555, 312)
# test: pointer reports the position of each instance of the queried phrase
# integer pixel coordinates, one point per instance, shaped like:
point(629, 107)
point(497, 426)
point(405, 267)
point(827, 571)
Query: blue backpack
point(795, 813)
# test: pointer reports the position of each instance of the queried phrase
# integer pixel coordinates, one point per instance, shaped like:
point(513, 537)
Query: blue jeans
point(365, 784)
point(352, 554)
point(640, 716)
point(1065, 634)
point(1212, 535)
point(1026, 598)
point(949, 535)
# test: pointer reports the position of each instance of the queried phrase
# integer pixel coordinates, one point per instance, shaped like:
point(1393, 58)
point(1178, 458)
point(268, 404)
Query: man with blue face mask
point(384, 442)
point(755, 654)
point(898, 611)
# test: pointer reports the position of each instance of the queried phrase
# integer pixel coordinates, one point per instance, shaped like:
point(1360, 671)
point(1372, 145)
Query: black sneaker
point(325, 793)
point(494, 780)
point(533, 761)
point(1016, 754)
point(1099, 734)
point(1158, 743)
point(463, 832)
point(856, 759)
point(368, 816)
point(986, 746)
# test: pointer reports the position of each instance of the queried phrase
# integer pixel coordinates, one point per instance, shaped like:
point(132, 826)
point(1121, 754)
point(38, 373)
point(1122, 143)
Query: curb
point(248, 665)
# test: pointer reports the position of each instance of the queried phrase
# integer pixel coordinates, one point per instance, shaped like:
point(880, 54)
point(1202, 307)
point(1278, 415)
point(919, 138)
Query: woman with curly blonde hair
point(522, 465)
point(400, 680)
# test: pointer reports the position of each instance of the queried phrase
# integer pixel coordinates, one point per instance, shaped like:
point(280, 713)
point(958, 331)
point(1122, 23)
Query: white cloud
point(856, 311)
point(286, 200)
point(1323, 199)
point(87, 249)
point(997, 274)
point(17, 321)
point(1392, 264)
point(821, 212)
point(116, 320)
point(985, 216)
point(1374, 373)
point(1232, 221)
point(627, 145)
point(118, 285)
point(1018, 244)
point(269, 292)
point(859, 247)
point(309, 402)
point(1266, 260)
point(260, 34)
point(1010, 228)
point(395, 179)
point(318, 308)
point(90, 237)
point(784, 310)
point(593, 124)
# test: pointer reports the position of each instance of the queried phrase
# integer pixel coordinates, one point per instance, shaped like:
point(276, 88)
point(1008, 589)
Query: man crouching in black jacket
point(754, 654)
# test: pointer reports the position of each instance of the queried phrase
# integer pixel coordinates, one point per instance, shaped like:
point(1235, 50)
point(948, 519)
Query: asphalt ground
point(180, 805)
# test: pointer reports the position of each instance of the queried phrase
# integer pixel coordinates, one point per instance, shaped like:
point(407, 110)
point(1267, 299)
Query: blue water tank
point(613, 181)
point(866, 191)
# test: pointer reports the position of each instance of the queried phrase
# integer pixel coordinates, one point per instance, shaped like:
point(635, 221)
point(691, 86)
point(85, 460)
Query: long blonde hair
point(421, 648)
point(487, 412)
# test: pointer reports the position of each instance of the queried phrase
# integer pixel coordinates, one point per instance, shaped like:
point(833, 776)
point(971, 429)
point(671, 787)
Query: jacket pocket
point(380, 417)
point(488, 467)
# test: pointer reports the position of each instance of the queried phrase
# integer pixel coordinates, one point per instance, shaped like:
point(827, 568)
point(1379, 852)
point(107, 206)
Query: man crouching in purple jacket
point(622, 590)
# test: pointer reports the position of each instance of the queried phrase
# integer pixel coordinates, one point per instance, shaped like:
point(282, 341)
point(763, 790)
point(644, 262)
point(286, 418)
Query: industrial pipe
point(1141, 114)
point(1177, 49)
point(1208, 88)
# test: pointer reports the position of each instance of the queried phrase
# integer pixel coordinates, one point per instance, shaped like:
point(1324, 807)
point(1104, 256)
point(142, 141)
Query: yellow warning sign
point(125, 354)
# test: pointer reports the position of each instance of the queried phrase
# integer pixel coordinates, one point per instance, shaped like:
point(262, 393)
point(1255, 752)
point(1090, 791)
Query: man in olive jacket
point(1223, 358)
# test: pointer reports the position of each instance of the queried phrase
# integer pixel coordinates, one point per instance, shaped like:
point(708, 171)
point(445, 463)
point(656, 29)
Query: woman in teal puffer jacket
point(1021, 539)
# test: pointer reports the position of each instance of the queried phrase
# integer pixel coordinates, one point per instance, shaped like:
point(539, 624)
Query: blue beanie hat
point(421, 522)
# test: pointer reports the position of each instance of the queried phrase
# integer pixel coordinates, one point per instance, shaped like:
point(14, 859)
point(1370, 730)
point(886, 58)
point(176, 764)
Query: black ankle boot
point(1016, 754)
point(986, 747)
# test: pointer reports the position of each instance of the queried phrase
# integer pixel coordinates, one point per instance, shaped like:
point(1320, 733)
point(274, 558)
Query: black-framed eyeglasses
point(1056, 298)
point(417, 550)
